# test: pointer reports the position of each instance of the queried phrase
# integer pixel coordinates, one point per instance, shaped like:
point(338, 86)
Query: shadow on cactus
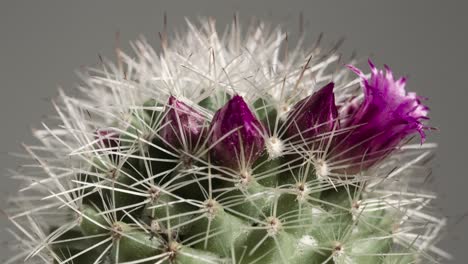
point(230, 149)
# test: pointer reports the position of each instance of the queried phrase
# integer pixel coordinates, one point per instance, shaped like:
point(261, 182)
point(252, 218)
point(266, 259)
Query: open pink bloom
point(386, 116)
point(313, 115)
point(183, 126)
point(236, 135)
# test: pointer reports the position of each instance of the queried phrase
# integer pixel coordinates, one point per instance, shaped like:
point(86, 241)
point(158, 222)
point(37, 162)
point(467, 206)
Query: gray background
point(43, 42)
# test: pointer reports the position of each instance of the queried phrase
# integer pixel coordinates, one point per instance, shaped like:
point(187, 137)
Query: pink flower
point(386, 116)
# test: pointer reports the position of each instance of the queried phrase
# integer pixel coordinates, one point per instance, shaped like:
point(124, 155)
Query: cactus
point(230, 149)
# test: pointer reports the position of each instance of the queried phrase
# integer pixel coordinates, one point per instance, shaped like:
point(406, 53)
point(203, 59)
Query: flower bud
point(386, 116)
point(183, 126)
point(107, 138)
point(236, 135)
point(108, 141)
point(313, 115)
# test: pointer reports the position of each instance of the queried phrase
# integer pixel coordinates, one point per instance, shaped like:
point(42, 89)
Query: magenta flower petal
point(183, 126)
point(386, 116)
point(237, 135)
point(313, 115)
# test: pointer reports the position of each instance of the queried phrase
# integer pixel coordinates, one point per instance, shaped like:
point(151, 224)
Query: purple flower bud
point(386, 116)
point(108, 141)
point(107, 138)
point(313, 115)
point(184, 127)
point(237, 136)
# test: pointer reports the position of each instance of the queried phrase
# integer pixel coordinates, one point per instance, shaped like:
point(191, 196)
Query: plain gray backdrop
point(42, 43)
